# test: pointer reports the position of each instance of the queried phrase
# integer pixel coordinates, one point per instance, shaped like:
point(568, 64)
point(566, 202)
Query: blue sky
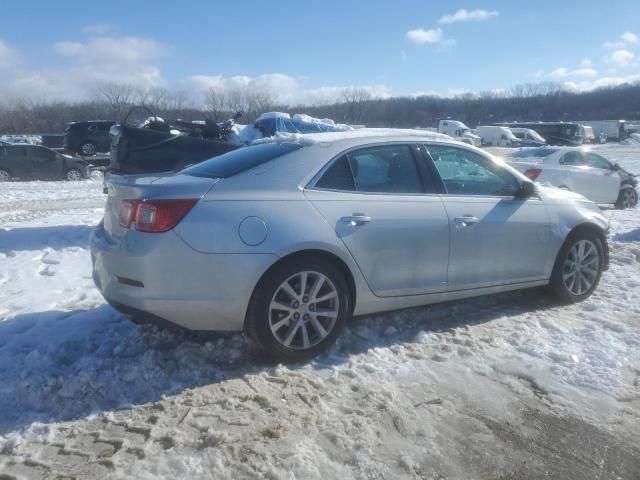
point(308, 51)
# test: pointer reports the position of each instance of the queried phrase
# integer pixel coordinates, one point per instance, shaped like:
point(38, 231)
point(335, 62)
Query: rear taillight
point(127, 212)
point(533, 173)
point(154, 216)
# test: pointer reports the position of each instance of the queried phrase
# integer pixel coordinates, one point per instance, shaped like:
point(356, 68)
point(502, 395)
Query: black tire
point(258, 318)
point(628, 197)
point(557, 286)
point(5, 175)
point(88, 149)
point(73, 175)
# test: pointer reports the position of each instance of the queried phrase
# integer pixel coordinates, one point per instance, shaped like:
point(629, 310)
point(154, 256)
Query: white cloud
point(113, 49)
point(578, 72)
point(621, 58)
point(421, 36)
point(463, 15)
point(287, 90)
point(587, 85)
point(626, 39)
point(586, 62)
point(9, 57)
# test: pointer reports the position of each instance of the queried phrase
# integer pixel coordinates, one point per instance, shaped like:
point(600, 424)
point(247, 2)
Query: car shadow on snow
point(37, 238)
point(57, 366)
point(630, 236)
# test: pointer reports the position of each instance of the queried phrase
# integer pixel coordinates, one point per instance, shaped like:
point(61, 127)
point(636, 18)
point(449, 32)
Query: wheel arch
point(314, 255)
point(7, 169)
point(597, 230)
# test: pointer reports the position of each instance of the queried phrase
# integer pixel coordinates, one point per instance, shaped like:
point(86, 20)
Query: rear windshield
point(237, 161)
point(534, 152)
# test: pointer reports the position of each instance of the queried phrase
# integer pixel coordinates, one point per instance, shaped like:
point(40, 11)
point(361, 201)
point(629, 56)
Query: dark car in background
point(88, 138)
point(33, 162)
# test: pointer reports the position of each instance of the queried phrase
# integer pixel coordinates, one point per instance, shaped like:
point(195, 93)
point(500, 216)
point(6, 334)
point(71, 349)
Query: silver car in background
point(287, 240)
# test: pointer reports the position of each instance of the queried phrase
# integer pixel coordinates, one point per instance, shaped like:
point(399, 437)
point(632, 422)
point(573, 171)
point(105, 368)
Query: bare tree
point(216, 101)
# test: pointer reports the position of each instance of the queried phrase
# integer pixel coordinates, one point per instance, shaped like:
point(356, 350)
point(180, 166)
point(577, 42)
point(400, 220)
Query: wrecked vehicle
point(160, 146)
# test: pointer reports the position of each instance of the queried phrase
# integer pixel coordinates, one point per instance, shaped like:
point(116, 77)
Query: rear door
point(496, 238)
point(575, 174)
point(383, 204)
point(18, 162)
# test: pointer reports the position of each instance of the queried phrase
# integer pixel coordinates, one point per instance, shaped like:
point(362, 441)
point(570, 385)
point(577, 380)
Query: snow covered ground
point(506, 386)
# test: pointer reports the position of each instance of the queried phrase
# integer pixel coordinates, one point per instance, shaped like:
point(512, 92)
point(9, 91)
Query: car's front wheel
point(5, 176)
point(628, 197)
point(74, 175)
point(298, 310)
point(578, 267)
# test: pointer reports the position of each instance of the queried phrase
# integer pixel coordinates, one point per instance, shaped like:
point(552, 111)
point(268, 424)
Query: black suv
point(88, 138)
point(32, 162)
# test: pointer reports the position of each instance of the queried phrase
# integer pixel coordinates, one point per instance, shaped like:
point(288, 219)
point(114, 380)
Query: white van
point(458, 131)
point(589, 137)
point(492, 135)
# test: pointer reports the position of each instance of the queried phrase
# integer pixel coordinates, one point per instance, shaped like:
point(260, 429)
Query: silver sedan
point(287, 240)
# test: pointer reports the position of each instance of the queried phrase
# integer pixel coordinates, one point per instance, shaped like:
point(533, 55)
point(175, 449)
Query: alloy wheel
point(303, 310)
point(4, 176)
point(581, 267)
point(88, 149)
point(74, 175)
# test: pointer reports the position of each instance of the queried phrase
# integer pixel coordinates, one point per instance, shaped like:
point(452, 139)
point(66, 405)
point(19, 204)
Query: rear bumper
point(161, 277)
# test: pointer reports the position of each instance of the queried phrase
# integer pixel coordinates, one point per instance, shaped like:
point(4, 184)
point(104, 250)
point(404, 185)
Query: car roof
point(359, 136)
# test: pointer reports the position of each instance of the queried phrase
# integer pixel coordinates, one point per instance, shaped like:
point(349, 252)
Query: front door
point(496, 237)
point(604, 181)
point(44, 163)
point(382, 205)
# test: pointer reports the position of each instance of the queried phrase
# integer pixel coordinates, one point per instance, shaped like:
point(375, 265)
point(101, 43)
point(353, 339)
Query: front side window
point(467, 173)
point(40, 153)
point(596, 161)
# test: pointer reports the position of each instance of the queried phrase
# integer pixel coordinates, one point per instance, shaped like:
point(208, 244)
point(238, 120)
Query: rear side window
point(338, 176)
point(534, 152)
point(572, 158)
point(240, 160)
point(383, 169)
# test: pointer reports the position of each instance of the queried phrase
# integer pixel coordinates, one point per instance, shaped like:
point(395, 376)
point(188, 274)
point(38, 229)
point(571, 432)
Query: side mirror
point(615, 166)
point(527, 189)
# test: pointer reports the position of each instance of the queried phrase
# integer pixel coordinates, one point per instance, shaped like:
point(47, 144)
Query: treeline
point(529, 102)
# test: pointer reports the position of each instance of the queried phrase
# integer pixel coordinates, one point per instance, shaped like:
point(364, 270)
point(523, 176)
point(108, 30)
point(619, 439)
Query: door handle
point(357, 219)
point(466, 220)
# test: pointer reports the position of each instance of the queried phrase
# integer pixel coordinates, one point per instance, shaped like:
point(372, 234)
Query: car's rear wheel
point(578, 267)
point(628, 197)
point(88, 149)
point(74, 175)
point(298, 310)
point(5, 176)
